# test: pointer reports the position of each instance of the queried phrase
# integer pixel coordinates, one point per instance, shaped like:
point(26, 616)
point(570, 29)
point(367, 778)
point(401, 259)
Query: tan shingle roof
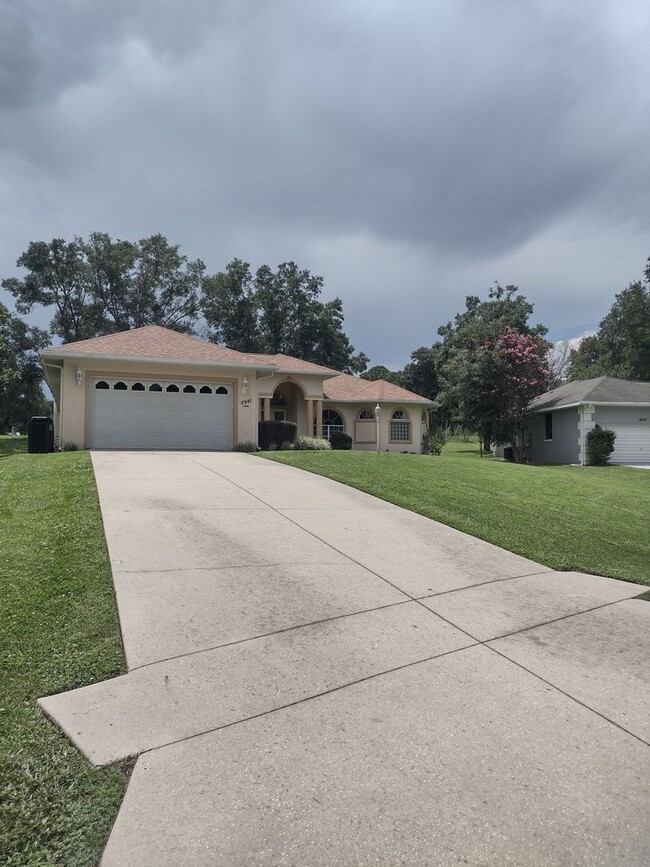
point(288, 362)
point(347, 387)
point(153, 341)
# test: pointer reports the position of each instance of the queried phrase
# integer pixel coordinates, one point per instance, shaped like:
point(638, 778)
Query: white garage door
point(632, 444)
point(160, 414)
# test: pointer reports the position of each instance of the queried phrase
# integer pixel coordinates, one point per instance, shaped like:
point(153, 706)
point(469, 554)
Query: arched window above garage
point(102, 384)
point(155, 387)
point(137, 386)
point(120, 386)
point(221, 390)
point(173, 388)
point(205, 389)
point(189, 389)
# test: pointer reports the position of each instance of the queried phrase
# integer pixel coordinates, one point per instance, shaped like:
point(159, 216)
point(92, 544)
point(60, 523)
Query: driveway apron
point(317, 677)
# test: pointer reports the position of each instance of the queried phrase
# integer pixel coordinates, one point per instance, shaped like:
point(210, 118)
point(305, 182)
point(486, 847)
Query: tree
point(21, 393)
point(379, 371)
point(481, 387)
point(278, 312)
point(421, 374)
point(559, 363)
point(621, 347)
point(101, 285)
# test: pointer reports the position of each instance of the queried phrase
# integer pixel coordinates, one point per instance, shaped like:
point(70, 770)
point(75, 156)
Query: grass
point(59, 631)
point(587, 519)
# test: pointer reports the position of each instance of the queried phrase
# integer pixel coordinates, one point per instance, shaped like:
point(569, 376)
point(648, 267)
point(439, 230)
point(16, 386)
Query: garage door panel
point(632, 445)
point(150, 419)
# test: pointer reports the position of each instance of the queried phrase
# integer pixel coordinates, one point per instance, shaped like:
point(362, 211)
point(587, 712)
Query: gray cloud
point(405, 151)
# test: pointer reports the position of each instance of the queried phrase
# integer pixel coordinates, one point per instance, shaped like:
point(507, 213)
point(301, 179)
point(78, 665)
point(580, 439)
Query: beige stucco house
point(153, 388)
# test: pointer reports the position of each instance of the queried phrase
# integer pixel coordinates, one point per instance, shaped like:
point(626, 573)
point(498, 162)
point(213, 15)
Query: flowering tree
point(517, 365)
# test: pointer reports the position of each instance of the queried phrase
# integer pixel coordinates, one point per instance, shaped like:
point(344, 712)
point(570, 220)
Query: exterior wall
point(74, 409)
point(613, 415)
point(564, 447)
point(350, 413)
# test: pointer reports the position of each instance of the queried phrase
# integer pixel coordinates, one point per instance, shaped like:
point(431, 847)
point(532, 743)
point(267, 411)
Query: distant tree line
point(489, 362)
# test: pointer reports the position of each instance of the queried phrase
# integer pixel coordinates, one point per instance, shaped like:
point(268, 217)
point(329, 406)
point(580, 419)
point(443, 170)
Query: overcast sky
point(410, 152)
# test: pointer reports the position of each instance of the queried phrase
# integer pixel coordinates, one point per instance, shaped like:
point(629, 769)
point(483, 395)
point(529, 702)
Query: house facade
point(153, 388)
point(561, 419)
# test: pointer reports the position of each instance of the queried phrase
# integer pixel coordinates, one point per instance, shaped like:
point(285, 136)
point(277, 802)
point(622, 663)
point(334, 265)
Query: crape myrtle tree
point(278, 312)
point(621, 346)
point(21, 393)
point(491, 364)
point(102, 285)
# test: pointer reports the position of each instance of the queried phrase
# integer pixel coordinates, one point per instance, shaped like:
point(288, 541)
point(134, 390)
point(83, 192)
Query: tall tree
point(278, 312)
point(475, 356)
point(101, 285)
point(380, 371)
point(621, 347)
point(21, 392)
point(421, 374)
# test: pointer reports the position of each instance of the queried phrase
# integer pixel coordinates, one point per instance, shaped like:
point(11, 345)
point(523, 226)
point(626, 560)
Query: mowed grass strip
point(587, 519)
point(59, 631)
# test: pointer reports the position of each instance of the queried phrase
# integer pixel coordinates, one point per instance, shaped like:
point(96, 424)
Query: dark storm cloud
point(453, 135)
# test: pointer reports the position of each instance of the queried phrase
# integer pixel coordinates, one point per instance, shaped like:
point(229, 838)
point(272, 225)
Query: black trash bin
point(40, 434)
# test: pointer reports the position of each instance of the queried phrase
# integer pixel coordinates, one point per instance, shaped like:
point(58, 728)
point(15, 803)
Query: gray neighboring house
point(562, 418)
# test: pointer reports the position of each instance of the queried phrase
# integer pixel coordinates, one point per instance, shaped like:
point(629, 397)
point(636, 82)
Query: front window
point(548, 426)
point(400, 427)
point(332, 423)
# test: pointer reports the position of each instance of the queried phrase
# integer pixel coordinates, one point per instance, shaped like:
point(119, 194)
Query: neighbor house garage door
point(160, 414)
point(632, 444)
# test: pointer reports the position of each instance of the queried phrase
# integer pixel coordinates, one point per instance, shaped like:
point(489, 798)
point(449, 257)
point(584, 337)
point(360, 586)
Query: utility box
point(40, 434)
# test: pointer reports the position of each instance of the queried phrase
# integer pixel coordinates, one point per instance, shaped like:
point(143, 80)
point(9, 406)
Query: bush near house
point(275, 434)
point(433, 442)
point(600, 445)
point(340, 441)
point(312, 444)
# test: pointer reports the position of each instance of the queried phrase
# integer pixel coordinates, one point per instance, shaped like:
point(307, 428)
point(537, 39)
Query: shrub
point(433, 441)
point(341, 441)
point(600, 445)
point(247, 446)
point(314, 444)
point(276, 433)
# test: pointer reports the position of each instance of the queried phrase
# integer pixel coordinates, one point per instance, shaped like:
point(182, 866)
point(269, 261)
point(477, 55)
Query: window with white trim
point(400, 427)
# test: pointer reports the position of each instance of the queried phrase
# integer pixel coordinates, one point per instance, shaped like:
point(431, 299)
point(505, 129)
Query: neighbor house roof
point(345, 387)
point(154, 341)
point(602, 389)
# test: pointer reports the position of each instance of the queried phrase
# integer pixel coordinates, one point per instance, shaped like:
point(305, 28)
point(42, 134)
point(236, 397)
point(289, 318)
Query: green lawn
point(588, 519)
point(59, 631)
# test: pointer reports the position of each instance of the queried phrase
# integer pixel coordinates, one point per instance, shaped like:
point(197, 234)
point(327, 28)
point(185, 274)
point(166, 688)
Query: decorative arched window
point(173, 388)
point(120, 386)
point(332, 423)
point(102, 384)
point(367, 415)
point(205, 389)
point(221, 390)
point(137, 386)
point(400, 427)
point(155, 387)
point(189, 389)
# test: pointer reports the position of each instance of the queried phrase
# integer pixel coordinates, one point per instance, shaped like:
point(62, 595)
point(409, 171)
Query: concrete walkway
point(317, 677)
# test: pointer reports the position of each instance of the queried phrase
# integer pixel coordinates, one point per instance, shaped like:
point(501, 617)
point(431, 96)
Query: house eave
point(552, 407)
point(49, 357)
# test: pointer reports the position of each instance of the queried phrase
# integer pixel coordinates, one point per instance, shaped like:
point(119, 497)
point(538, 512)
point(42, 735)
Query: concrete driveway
point(317, 677)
